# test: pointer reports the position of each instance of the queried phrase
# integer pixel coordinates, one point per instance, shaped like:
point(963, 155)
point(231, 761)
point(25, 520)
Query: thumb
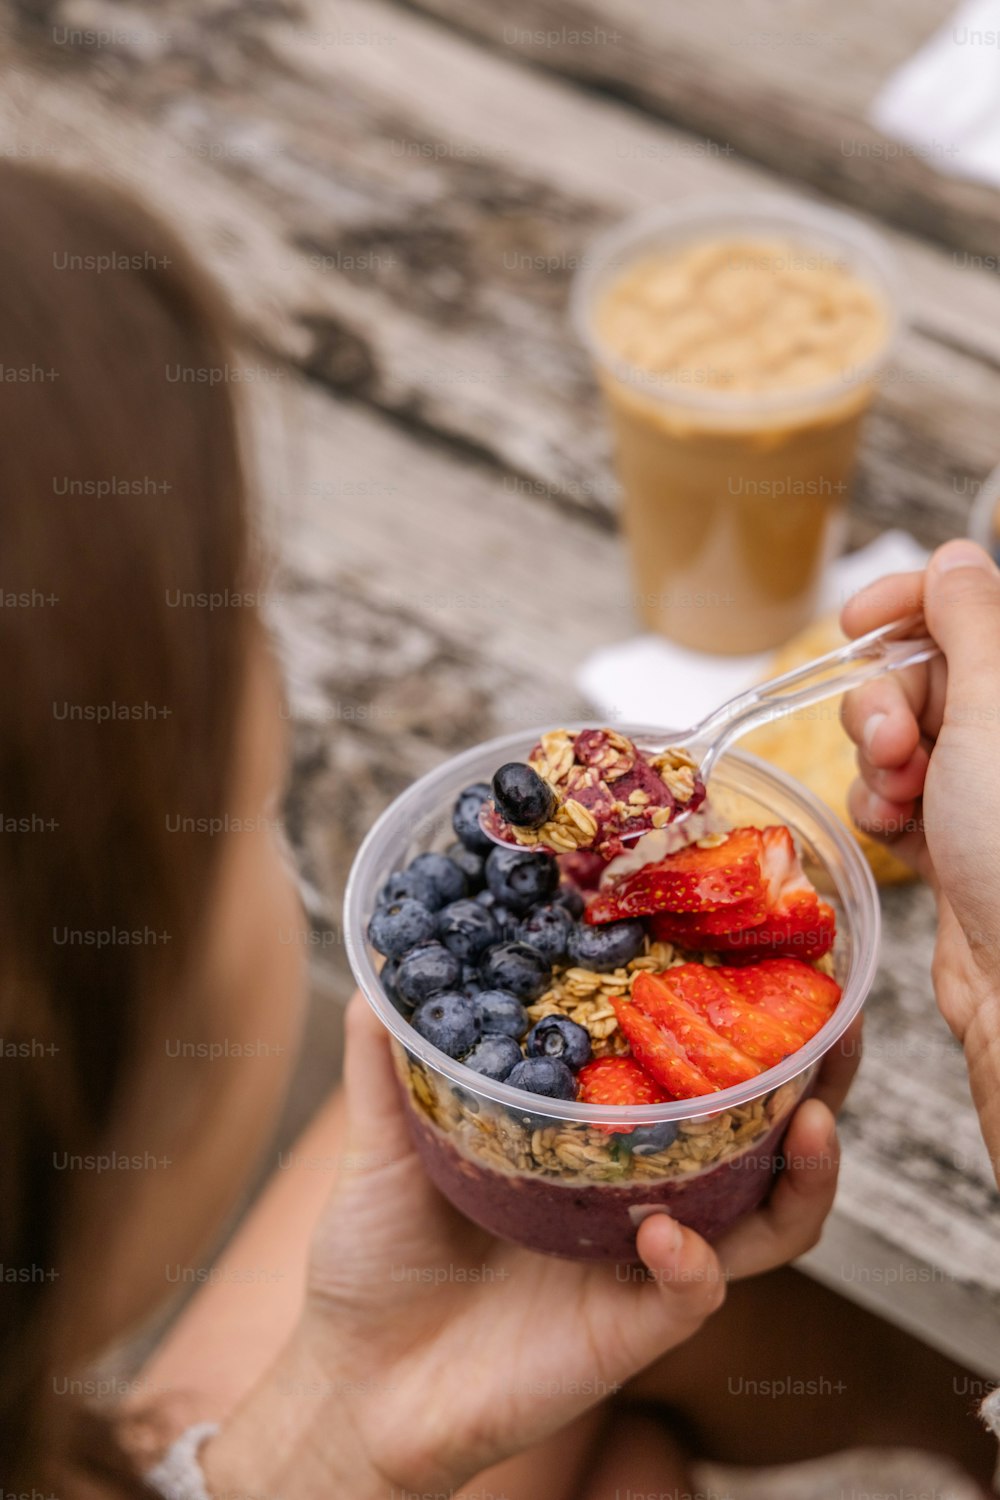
point(683, 1284)
point(962, 610)
point(376, 1124)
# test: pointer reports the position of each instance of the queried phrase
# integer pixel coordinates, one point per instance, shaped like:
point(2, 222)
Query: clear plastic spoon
point(888, 649)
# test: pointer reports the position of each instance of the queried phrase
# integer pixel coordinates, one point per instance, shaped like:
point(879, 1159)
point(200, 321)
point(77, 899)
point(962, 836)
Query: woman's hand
point(429, 1350)
point(929, 754)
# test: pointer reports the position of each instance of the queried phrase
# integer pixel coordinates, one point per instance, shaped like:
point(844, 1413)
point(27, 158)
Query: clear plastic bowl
point(561, 1177)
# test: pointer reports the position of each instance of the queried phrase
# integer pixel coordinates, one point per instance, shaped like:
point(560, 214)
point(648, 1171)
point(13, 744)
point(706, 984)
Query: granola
point(510, 1142)
point(584, 996)
point(604, 788)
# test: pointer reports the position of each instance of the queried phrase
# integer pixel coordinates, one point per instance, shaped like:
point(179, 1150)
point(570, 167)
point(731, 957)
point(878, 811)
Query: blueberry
point(558, 1036)
point(465, 818)
point(521, 796)
point(569, 896)
point(515, 967)
point(608, 947)
point(393, 930)
point(426, 971)
point(449, 1022)
point(501, 1012)
point(646, 1140)
point(407, 885)
point(519, 879)
point(504, 918)
point(472, 981)
point(494, 1056)
point(471, 864)
point(543, 1075)
point(387, 979)
point(387, 973)
point(547, 928)
point(466, 928)
point(447, 879)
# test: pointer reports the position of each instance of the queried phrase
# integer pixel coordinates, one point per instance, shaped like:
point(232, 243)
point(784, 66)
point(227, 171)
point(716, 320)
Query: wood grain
point(380, 228)
point(786, 83)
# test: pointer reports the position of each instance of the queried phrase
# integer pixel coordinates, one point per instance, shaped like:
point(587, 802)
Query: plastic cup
point(564, 1178)
point(734, 502)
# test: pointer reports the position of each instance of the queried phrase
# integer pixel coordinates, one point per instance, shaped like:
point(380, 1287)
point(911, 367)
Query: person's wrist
point(295, 1437)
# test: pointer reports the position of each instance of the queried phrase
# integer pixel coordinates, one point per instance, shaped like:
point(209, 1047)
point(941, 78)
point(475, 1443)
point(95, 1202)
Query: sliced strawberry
point(617, 1080)
point(692, 880)
point(689, 927)
point(789, 991)
point(765, 1038)
point(794, 921)
point(804, 926)
point(661, 1054)
point(713, 1054)
point(780, 861)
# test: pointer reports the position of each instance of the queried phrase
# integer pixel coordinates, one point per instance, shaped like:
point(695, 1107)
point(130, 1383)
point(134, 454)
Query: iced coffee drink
point(738, 360)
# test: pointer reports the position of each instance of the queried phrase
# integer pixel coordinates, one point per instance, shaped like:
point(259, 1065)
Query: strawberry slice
point(692, 880)
point(718, 1058)
point(689, 927)
point(804, 925)
point(789, 991)
point(661, 1054)
point(797, 921)
point(617, 1080)
point(765, 1038)
point(794, 921)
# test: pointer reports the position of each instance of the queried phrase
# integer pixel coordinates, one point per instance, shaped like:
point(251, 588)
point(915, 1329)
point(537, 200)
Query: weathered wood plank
point(433, 285)
point(787, 83)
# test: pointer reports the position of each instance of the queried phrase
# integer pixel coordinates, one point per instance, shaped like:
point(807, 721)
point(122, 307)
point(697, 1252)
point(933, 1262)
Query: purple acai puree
point(594, 1221)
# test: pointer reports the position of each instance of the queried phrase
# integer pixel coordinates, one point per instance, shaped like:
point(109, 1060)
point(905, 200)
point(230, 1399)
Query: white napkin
point(944, 101)
point(649, 680)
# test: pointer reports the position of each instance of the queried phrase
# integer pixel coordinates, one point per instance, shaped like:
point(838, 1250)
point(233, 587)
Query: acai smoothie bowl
point(590, 1026)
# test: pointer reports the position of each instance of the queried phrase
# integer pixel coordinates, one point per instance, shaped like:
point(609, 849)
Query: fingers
point(838, 1068)
point(889, 598)
point(881, 717)
point(962, 609)
point(893, 720)
point(879, 816)
point(688, 1284)
point(680, 1259)
point(376, 1125)
point(902, 784)
point(898, 825)
point(792, 1220)
point(634, 1320)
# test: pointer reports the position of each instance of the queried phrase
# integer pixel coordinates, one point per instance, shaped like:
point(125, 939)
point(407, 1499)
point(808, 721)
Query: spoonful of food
point(595, 789)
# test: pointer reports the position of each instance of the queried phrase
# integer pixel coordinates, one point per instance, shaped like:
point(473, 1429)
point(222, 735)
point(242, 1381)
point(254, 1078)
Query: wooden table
point(395, 197)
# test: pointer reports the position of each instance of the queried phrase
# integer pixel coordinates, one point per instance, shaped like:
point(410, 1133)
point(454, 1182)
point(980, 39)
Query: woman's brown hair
point(124, 569)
